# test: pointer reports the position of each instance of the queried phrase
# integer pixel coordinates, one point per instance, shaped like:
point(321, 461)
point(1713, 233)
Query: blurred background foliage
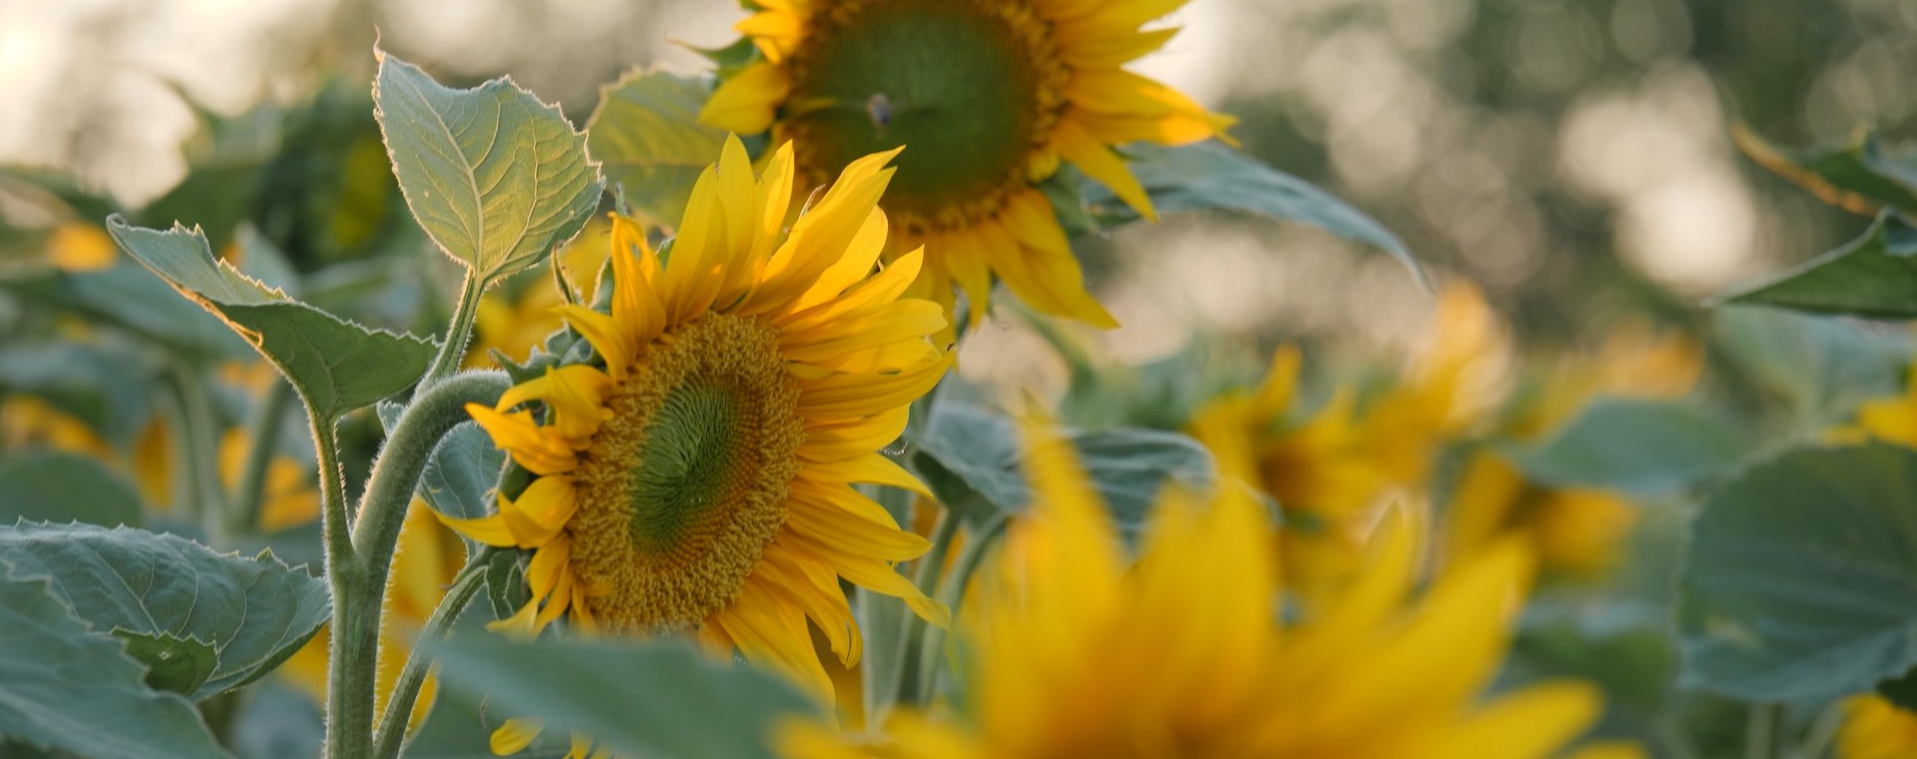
point(1573, 158)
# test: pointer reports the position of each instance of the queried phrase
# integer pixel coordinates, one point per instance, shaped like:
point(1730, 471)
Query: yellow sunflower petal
point(1092, 156)
point(745, 103)
point(514, 736)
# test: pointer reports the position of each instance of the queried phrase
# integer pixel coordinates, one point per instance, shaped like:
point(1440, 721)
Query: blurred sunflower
point(1875, 728)
point(1454, 384)
point(1318, 468)
point(425, 563)
point(1892, 419)
point(697, 476)
point(1056, 628)
point(990, 96)
point(1577, 532)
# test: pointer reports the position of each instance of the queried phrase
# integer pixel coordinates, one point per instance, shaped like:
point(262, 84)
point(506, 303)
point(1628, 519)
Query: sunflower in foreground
point(1075, 655)
point(696, 475)
point(992, 96)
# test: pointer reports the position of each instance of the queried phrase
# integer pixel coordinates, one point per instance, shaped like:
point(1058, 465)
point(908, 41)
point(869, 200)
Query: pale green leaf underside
point(647, 132)
point(1641, 446)
point(1801, 580)
point(64, 686)
point(643, 699)
point(496, 178)
point(253, 612)
point(336, 365)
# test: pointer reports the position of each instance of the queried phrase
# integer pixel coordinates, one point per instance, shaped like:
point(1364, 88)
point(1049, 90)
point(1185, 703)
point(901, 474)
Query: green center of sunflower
point(969, 87)
point(681, 490)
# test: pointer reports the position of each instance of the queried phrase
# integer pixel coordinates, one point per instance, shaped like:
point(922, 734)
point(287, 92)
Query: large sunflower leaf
point(971, 458)
point(496, 178)
point(1801, 578)
point(1211, 176)
point(1873, 276)
point(63, 686)
point(647, 132)
point(64, 487)
point(1642, 446)
point(1860, 175)
point(336, 365)
point(657, 698)
point(253, 612)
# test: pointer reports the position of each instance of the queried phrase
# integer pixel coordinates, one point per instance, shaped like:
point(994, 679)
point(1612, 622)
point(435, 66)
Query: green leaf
point(1860, 175)
point(62, 686)
point(1641, 446)
point(336, 365)
point(655, 698)
point(1211, 176)
point(971, 457)
point(459, 477)
point(107, 389)
point(54, 487)
point(647, 132)
point(129, 298)
point(1872, 276)
point(173, 663)
point(1820, 366)
point(496, 178)
point(1801, 581)
point(254, 612)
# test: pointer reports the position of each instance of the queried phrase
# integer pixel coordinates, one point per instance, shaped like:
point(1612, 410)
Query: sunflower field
point(958, 379)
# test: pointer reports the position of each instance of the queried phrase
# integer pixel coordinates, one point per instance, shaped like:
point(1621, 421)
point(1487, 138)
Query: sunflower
point(1577, 532)
point(1317, 467)
point(1076, 654)
point(1454, 384)
point(697, 474)
point(992, 97)
point(512, 320)
point(1875, 728)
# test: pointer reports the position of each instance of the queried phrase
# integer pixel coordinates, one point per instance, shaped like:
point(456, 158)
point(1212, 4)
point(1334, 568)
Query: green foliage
point(58, 487)
point(336, 365)
point(495, 177)
point(1801, 581)
point(1859, 175)
point(176, 663)
point(62, 686)
point(130, 299)
point(1211, 176)
point(647, 132)
point(1872, 276)
point(1818, 366)
point(177, 594)
point(641, 699)
point(105, 388)
point(971, 458)
point(1641, 446)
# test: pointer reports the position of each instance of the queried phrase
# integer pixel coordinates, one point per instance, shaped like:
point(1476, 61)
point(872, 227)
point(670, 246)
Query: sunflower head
point(992, 96)
point(1875, 728)
point(695, 472)
point(1081, 652)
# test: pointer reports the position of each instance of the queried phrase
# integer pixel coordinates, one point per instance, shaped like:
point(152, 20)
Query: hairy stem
point(399, 707)
point(350, 658)
point(264, 434)
point(453, 349)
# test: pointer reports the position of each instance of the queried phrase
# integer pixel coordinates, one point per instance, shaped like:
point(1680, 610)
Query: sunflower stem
point(366, 551)
point(971, 555)
point(264, 433)
point(453, 349)
point(350, 656)
point(200, 434)
point(393, 724)
point(912, 630)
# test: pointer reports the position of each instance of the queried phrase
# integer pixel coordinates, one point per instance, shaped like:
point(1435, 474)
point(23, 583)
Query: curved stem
point(359, 580)
point(904, 683)
point(398, 717)
point(453, 349)
point(977, 546)
point(264, 435)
